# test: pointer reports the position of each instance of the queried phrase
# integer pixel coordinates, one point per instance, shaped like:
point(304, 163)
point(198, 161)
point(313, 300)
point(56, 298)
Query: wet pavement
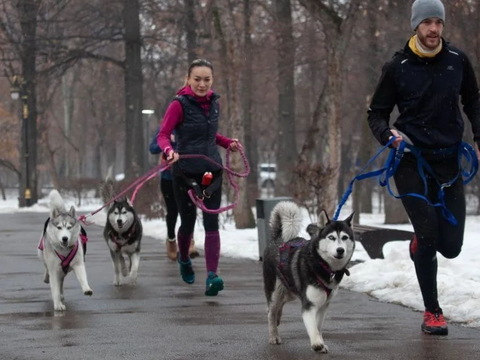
point(163, 318)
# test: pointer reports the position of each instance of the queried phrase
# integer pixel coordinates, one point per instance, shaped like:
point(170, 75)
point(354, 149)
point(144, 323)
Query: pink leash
point(138, 183)
point(196, 200)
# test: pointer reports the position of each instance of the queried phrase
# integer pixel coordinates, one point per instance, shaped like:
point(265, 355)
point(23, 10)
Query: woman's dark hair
point(199, 62)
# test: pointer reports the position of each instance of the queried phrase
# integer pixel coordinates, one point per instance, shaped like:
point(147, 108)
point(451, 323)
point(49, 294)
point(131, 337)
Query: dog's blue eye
point(331, 237)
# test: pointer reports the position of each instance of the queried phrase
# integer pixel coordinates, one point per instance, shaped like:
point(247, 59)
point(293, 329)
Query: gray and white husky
point(311, 270)
point(62, 249)
point(123, 234)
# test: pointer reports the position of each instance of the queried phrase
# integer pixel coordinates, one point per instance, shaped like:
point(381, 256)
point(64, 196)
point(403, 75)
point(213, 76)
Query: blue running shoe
point(186, 270)
point(214, 284)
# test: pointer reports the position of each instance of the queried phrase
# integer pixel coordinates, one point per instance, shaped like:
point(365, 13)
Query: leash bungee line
point(467, 173)
point(361, 176)
point(139, 182)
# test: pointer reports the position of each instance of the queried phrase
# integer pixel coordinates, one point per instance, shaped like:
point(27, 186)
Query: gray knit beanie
point(424, 9)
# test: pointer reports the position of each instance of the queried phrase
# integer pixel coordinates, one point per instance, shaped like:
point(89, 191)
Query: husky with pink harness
point(62, 249)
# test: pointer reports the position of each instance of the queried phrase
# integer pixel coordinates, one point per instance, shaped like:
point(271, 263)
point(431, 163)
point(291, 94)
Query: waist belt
point(201, 191)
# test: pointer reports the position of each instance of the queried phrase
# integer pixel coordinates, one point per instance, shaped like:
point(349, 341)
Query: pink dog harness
point(66, 260)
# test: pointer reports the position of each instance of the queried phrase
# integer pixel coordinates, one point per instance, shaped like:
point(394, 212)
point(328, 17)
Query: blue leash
point(391, 164)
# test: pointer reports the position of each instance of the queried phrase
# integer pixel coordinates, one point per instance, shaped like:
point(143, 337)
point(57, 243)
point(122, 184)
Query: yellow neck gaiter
point(417, 48)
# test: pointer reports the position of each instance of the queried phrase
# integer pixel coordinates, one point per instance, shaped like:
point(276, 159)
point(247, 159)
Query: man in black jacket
point(426, 80)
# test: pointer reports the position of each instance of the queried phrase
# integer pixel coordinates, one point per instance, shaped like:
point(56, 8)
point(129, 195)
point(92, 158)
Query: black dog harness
point(114, 236)
point(323, 273)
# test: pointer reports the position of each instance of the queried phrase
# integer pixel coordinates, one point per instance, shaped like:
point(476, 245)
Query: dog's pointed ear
point(71, 212)
point(349, 219)
point(54, 213)
point(312, 230)
point(129, 202)
point(323, 219)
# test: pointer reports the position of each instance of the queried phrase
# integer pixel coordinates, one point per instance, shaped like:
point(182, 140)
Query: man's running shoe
point(434, 323)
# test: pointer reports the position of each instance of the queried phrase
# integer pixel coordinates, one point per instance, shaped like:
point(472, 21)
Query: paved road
point(163, 318)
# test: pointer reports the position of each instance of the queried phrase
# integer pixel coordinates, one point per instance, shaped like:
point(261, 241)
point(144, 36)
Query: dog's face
point(121, 215)
point(335, 241)
point(63, 228)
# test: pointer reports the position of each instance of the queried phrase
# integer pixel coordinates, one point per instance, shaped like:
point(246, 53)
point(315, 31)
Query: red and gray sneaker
point(434, 323)
point(413, 246)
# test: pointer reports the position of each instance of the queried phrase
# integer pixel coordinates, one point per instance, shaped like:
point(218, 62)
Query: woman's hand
point(172, 156)
point(234, 145)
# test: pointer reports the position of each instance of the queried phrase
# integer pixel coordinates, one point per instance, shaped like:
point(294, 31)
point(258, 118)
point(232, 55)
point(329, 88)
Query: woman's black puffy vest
point(196, 135)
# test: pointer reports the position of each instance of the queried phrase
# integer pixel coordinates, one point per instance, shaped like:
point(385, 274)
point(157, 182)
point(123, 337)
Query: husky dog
point(311, 270)
point(122, 232)
point(62, 249)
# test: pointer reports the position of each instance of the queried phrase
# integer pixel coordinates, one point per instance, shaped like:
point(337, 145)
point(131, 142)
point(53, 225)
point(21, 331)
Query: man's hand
point(398, 138)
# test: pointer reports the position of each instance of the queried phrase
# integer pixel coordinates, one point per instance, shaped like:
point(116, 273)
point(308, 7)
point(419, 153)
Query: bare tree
point(135, 143)
point(287, 145)
point(246, 94)
point(337, 22)
point(230, 44)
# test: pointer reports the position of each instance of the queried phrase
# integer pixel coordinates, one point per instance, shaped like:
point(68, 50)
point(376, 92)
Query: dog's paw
point(275, 340)
point(59, 307)
point(88, 292)
point(321, 348)
point(116, 282)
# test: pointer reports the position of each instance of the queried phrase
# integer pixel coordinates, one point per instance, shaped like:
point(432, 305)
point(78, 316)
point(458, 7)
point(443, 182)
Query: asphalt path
point(163, 318)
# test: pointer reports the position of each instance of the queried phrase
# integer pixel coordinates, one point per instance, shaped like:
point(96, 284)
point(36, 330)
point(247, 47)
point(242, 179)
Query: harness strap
point(66, 260)
point(115, 238)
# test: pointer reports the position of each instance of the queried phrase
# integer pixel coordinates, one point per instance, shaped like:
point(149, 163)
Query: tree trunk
point(338, 30)
point(191, 30)
point(28, 18)
point(135, 143)
point(246, 93)
point(242, 213)
point(287, 145)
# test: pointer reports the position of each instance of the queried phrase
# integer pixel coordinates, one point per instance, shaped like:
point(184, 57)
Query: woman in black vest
point(194, 116)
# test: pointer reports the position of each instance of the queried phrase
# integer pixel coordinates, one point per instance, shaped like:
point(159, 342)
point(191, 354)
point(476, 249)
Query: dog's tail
point(285, 221)
point(56, 202)
point(106, 188)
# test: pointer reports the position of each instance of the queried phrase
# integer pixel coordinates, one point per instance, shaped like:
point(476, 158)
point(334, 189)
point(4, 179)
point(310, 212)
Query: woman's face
point(200, 80)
